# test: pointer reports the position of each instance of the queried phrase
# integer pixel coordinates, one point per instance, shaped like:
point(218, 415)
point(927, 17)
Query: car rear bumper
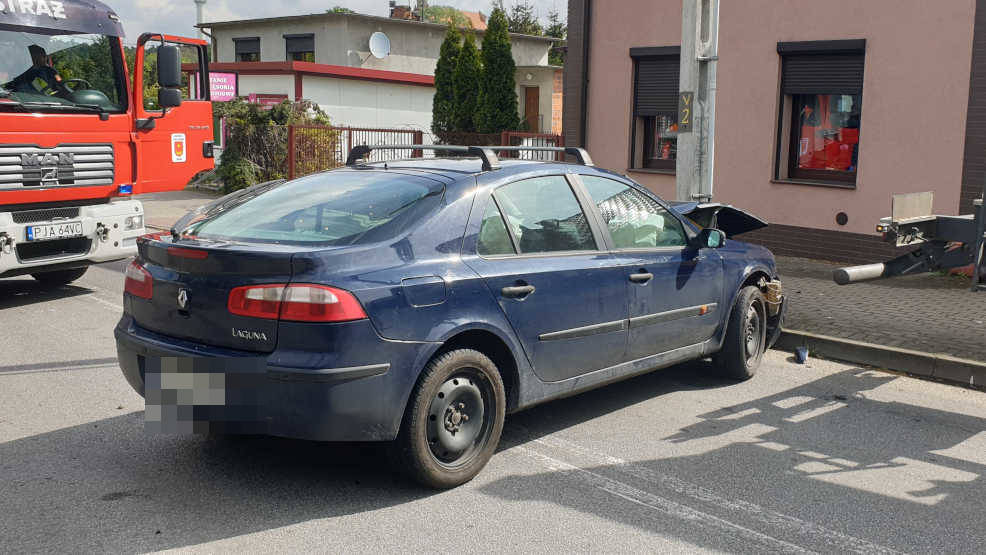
point(272, 394)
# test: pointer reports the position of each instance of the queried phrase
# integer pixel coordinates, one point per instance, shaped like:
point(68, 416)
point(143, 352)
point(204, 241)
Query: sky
point(178, 16)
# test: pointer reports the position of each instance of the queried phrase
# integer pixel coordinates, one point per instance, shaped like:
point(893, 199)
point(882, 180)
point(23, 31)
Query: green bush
point(257, 139)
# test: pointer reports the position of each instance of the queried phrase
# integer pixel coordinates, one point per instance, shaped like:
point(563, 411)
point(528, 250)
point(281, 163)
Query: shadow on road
point(827, 465)
point(892, 474)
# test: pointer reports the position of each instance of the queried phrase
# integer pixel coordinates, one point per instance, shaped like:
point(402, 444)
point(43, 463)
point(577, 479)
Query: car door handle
point(642, 277)
point(517, 291)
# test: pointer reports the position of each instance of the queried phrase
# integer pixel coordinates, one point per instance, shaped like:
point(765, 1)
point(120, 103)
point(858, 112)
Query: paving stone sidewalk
point(929, 313)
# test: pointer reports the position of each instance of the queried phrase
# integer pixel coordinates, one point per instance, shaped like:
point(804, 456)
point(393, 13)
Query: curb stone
point(930, 365)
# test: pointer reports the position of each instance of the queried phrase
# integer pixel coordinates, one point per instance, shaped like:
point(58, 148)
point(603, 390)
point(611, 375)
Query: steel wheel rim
point(459, 421)
point(753, 333)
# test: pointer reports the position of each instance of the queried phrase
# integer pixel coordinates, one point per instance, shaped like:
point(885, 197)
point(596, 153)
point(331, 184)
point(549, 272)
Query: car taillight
point(296, 303)
point(139, 282)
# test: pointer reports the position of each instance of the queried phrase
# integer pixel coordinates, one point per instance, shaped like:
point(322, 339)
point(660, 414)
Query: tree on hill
point(466, 85)
point(498, 96)
point(340, 9)
point(443, 103)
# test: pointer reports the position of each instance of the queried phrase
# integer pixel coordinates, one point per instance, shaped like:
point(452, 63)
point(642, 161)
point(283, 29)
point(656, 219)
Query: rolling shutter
point(822, 67)
point(300, 43)
point(247, 45)
point(656, 86)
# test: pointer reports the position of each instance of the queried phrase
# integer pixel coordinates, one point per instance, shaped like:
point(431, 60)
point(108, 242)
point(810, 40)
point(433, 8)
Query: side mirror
point(709, 238)
point(169, 98)
point(169, 67)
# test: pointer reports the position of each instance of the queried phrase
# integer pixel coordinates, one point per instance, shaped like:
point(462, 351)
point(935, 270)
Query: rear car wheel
point(453, 421)
point(746, 336)
point(59, 277)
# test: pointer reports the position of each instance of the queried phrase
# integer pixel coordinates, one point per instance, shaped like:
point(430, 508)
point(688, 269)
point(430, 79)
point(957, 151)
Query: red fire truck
point(81, 131)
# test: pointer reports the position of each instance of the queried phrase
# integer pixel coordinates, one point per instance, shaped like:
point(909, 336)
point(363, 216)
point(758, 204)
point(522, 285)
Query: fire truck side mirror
point(169, 98)
point(169, 67)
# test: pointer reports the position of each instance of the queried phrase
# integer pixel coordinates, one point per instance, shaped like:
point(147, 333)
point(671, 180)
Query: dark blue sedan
point(418, 301)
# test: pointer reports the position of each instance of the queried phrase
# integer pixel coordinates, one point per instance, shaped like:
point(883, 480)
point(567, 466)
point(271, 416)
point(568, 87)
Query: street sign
point(686, 112)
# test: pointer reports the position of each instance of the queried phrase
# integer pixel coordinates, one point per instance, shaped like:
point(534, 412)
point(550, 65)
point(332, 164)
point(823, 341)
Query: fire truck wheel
point(59, 277)
point(746, 336)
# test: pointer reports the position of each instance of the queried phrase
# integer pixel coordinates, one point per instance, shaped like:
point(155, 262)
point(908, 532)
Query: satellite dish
point(379, 45)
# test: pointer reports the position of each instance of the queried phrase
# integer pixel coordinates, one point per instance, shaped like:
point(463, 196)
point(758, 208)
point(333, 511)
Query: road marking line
point(651, 501)
point(813, 532)
point(809, 414)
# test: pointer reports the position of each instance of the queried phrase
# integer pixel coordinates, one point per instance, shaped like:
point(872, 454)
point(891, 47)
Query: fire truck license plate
point(54, 231)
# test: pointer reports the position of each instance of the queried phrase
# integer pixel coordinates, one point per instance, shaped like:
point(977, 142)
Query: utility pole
point(697, 99)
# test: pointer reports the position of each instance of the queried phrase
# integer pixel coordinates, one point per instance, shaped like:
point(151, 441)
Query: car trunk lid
point(192, 280)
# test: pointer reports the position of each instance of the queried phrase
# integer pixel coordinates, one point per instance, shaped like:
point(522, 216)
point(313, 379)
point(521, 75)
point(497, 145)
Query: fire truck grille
point(23, 167)
point(31, 216)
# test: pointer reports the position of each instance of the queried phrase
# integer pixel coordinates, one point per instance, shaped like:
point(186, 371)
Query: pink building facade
point(824, 109)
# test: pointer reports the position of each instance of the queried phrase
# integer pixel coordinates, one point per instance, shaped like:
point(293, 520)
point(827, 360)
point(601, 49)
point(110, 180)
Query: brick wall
point(557, 97)
point(821, 244)
point(574, 72)
point(974, 162)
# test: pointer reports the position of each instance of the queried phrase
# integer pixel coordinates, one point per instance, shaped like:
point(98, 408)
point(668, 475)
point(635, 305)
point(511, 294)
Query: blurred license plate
point(54, 231)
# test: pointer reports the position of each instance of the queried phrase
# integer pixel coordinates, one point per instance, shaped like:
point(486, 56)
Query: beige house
point(824, 109)
point(326, 58)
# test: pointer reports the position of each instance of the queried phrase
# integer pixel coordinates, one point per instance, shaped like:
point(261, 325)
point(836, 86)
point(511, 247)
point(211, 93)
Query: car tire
point(746, 336)
point(453, 420)
point(59, 277)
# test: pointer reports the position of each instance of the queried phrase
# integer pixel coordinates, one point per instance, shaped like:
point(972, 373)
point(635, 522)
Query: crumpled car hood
point(731, 220)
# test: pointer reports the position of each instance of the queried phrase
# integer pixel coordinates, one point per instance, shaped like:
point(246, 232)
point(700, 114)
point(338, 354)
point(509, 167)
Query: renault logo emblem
point(183, 299)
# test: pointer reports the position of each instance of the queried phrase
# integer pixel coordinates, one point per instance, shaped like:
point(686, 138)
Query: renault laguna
point(419, 301)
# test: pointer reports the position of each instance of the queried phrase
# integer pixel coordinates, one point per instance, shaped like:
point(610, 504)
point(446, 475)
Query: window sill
point(812, 183)
point(650, 170)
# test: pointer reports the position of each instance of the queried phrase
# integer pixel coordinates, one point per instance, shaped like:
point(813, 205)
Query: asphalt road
point(825, 458)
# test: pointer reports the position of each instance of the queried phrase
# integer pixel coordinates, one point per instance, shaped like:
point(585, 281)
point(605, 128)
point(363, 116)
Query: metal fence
point(298, 150)
point(316, 148)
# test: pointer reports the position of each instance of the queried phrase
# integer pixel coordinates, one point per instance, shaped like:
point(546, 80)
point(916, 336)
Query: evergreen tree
point(523, 20)
point(466, 86)
point(443, 103)
point(558, 29)
point(498, 97)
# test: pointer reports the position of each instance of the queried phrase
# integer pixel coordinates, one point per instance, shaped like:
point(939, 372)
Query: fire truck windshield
point(63, 73)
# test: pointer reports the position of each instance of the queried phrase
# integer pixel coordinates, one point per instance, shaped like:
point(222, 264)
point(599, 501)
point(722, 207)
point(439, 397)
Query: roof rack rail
point(486, 153)
point(580, 154)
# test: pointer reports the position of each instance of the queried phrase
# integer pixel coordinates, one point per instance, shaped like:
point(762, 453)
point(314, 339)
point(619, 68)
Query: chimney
point(199, 6)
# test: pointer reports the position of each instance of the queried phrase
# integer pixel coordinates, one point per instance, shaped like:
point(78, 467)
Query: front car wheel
point(746, 336)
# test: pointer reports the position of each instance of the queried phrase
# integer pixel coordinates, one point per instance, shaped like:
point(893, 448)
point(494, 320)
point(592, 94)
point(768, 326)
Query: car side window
point(634, 220)
point(493, 236)
point(543, 215)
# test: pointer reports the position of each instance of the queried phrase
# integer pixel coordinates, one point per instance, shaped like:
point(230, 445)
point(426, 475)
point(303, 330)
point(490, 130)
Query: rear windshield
point(332, 208)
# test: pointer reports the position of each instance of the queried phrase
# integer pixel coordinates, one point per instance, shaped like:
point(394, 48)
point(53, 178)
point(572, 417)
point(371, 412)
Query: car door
point(675, 290)
point(564, 296)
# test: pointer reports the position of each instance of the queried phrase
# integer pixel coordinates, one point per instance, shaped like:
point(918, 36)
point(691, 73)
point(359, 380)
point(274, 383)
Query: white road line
point(106, 304)
point(666, 506)
point(790, 524)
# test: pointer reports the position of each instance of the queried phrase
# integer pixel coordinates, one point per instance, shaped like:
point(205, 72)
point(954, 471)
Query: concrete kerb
point(940, 367)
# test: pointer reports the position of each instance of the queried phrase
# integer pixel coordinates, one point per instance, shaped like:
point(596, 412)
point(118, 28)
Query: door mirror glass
point(710, 238)
point(169, 98)
point(169, 66)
